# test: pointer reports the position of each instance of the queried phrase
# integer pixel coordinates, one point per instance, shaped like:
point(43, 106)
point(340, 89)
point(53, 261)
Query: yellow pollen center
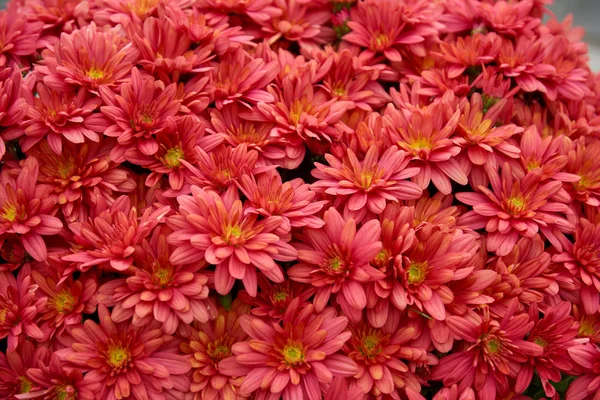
point(280, 296)
point(421, 143)
point(173, 157)
point(221, 352)
point(366, 178)
point(9, 213)
point(585, 329)
point(516, 204)
point(3, 313)
point(493, 346)
point(382, 257)
point(339, 89)
point(584, 182)
point(335, 264)
point(540, 342)
point(380, 41)
point(369, 345)
point(63, 301)
point(95, 74)
point(118, 357)
point(26, 385)
point(417, 273)
point(147, 119)
point(533, 164)
point(293, 354)
point(162, 277)
point(296, 112)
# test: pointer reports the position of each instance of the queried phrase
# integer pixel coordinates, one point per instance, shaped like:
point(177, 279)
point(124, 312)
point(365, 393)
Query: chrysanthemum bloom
point(516, 208)
point(470, 51)
point(123, 361)
point(382, 356)
point(55, 382)
point(368, 184)
point(586, 387)
point(19, 36)
point(13, 106)
point(166, 53)
point(366, 130)
point(111, 237)
point(19, 307)
point(425, 135)
point(14, 366)
point(294, 359)
point(349, 79)
point(555, 332)
point(57, 114)
point(66, 301)
point(88, 57)
point(193, 95)
point(335, 259)
point(57, 16)
point(235, 131)
point(584, 161)
point(210, 345)
point(292, 200)
point(138, 114)
point(124, 12)
point(582, 259)
point(589, 325)
point(26, 209)
point(375, 26)
point(241, 78)
point(158, 290)
point(217, 230)
point(257, 10)
point(12, 252)
point(511, 19)
point(273, 299)
point(79, 175)
point(493, 351)
point(177, 142)
point(300, 114)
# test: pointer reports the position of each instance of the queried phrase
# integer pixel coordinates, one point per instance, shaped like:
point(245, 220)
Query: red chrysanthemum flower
point(19, 36)
point(81, 176)
point(55, 382)
point(387, 27)
point(217, 230)
point(470, 51)
point(57, 16)
point(207, 347)
point(367, 185)
point(335, 259)
point(425, 135)
point(295, 358)
point(19, 307)
point(88, 57)
point(15, 364)
point(109, 239)
point(493, 351)
point(122, 361)
point(13, 106)
point(516, 208)
point(138, 114)
point(586, 387)
point(584, 161)
point(158, 290)
point(257, 10)
point(26, 209)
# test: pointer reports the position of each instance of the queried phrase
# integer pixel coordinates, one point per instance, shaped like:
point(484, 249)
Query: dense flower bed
point(297, 199)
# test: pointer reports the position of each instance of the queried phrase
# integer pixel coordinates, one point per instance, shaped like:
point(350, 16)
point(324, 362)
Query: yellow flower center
point(95, 73)
point(63, 301)
point(492, 345)
point(370, 346)
point(3, 313)
point(533, 164)
point(9, 213)
point(65, 168)
point(162, 276)
point(339, 89)
point(147, 119)
point(586, 328)
point(280, 296)
point(118, 357)
point(335, 264)
point(380, 41)
point(232, 232)
point(220, 353)
point(173, 157)
point(515, 205)
point(293, 354)
point(421, 143)
point(296, 112)
point(584, 182)
point(25, 385)
point(417, 272)
point(366, 178)
point(540, 342)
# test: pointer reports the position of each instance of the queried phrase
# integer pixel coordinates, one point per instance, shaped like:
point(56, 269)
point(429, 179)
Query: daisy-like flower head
point(555, 333)
point(257, 10)
point(26, 209)
point(514, 208)
point(139, 113)
point(368, 184)
point(14, 107)
point(470, 51)
point(79, 174)
point(335, 259)
point(55, 382)
point(19, 36)
point(425, 135)
point(587, 358)
point(58, 114)
point(375, 26)
point(88, 57)
point(217, 229)
point(293, 200)
point(57, 16)
point(584, 161)
point(158, 290)
point(589, 325)
point(241, 78)
point(582, 259)
point(510, 19)
point(493, 351)
point(110, 238)
point(125, 12)
point(66, 301)
point(294, 358)
point(207, 347)
point(123, 361)
point(235, 131)
point(14, 368)
point(382, 356)
point(366, 130)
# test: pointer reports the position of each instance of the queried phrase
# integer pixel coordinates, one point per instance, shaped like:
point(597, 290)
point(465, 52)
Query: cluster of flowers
point(297, 199)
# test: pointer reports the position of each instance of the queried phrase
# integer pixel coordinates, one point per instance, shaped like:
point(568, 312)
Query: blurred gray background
point(586, 13)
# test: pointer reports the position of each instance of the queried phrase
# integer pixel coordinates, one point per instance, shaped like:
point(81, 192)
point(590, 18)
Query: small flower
point(13, 108)
point(335, 259)
point(470, 51)
point(298, 353)
point(57, 382)
point(584, 161)
point(14, 367)
point(25, 209)
point(217, 230)
point(257, 10)
point(368, 184)
point(121, 360)
point(19, 36)
point(586, 386)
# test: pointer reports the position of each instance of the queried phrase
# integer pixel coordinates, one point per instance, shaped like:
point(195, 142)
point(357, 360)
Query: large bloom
point(586, 387)
point(19, 36)
point(335, 259)
point(217, 230)
point(368, 184)
point(26, 209)
point(294, 359)
point(14, 368)
point(55, 382)
point(123, 361)
point(516, 208)
point(158, 290)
